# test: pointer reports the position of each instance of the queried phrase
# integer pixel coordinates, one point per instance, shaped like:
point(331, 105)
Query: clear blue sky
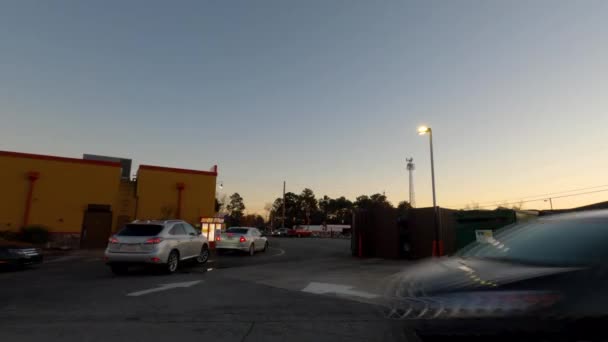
point(324, 94)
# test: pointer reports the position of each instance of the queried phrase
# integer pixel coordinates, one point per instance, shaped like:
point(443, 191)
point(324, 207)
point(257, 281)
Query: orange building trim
point(172, 169)
point(55, 158)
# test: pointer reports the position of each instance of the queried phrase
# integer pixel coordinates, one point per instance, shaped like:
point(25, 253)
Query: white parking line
point(164, 287)
point(325, 288)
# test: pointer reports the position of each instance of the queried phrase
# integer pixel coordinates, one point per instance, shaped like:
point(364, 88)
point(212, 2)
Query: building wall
point(126, 203)
point(61, 193)
point(157, 193)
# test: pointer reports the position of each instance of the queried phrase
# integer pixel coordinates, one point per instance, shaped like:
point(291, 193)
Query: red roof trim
point(59, 159)
point(172, 169)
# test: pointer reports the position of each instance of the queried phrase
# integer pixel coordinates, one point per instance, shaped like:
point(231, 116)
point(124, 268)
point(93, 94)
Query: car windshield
point(237, 230)
point(141, 230)
point(567, 240)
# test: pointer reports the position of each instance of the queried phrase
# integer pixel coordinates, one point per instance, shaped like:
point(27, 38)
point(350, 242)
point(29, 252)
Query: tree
point(373, 201)
point(293, 212)
point(324, 205)
point(307, 200)
point(403, 207)
point(307, 204)
point(253, 221)
point(268, 210)
point(221, 204)
point(363, 202)
point(235, 207)
point(338, 210)
point(260, 222)
point(218, 205)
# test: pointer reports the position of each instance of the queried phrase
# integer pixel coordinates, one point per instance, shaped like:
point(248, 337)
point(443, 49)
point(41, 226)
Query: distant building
point(328, 228)
point(125, 164)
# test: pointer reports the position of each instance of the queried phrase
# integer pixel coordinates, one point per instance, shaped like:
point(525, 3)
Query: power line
point(541, 197)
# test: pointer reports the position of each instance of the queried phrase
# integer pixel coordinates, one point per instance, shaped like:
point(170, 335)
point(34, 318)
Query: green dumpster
point(467, 222)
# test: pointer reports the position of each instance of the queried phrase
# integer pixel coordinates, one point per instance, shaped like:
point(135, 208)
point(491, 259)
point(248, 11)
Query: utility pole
point(410, 168)
point(550, 202)
point(283, 218)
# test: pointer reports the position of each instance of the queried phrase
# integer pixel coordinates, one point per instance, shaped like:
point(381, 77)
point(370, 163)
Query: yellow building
point(175, 193)
point(83, 201)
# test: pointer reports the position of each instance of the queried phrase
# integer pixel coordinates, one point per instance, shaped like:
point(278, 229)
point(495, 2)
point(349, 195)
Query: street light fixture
point(437, 244)
point(422, 130)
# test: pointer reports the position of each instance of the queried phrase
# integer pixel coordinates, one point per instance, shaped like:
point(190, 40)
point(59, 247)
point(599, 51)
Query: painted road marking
point(280, 253)
point(164, 287)
point(63, 258)
point(325, 288)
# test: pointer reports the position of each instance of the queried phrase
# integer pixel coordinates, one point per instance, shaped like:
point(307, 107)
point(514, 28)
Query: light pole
point(437, 244)
point(283, 219)
point(550, 202)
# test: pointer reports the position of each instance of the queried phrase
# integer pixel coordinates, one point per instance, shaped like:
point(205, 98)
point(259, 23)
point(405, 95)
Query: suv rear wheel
point(172, 262)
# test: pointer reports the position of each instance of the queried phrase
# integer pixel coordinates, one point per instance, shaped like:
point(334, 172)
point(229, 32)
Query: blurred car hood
point(457, 274)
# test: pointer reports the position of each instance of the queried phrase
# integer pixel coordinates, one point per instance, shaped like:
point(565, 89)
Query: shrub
point(34, 234)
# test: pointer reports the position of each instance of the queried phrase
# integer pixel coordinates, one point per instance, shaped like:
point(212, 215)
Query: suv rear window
point(140, 230)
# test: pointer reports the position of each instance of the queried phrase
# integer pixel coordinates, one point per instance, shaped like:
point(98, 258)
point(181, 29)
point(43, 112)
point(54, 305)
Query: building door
point(96, 226)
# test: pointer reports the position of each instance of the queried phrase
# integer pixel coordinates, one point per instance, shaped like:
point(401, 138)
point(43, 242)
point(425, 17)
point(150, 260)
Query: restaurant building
point(83, 201)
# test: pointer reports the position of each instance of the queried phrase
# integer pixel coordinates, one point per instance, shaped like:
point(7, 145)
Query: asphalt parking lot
point(299, 290)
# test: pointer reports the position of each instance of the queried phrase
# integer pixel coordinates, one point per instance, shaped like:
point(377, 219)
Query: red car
point(299, 232)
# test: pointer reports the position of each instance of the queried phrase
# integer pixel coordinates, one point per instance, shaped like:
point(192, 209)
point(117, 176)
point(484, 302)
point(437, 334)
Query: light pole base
point(437, 248)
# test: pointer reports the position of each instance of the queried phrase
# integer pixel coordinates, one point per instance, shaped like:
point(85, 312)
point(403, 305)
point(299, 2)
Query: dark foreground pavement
point(80, 300)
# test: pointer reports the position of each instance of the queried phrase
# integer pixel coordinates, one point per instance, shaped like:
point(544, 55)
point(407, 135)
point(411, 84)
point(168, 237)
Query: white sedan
point(245, 239)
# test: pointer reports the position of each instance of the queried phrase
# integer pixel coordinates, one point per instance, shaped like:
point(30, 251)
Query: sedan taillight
point(154, 241)
point(112, 239)
point(217, 238)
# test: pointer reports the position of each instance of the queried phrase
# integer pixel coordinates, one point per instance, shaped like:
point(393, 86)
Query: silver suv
point(164, 243)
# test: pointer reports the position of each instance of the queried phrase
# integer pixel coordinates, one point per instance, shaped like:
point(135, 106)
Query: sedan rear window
point(237, 230)
point(141, 230)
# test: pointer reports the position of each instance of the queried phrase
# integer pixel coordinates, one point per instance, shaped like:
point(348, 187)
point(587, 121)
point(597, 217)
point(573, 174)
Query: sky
point(322, 94)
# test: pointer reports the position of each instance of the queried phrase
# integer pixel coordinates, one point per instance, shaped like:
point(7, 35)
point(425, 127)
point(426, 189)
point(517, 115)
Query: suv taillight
point(113, 240)
point(217, 238)
point(242, 239)
point(154, 241)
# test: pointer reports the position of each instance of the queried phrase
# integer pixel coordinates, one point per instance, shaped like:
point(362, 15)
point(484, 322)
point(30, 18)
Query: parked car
point(280, 232)
point(19, 254)
point(545, 276)
point(163, 243)
point(245, 239)
point(299, 232)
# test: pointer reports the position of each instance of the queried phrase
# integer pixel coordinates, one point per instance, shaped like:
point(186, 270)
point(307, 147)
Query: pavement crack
point(248, 332)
